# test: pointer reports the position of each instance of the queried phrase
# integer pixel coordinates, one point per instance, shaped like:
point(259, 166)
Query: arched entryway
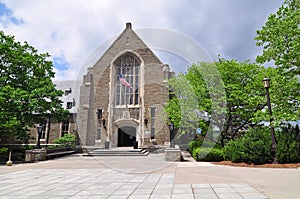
point(126, 136)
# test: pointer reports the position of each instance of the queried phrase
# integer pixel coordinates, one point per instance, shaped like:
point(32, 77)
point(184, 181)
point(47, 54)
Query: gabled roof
point(128, 33)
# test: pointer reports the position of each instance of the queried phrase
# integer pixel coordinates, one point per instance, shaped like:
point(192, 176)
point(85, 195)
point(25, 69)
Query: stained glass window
point(127, 67)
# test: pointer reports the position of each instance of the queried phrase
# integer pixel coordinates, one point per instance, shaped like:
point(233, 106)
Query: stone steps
point(117, 152)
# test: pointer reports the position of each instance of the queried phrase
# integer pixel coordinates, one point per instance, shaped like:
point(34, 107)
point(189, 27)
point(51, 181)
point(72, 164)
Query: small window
point(65, 128)
point(67, 92)
point(44, 124)
point(98, 134)
point(152, 133)
point(152, 112)
point(69, 105)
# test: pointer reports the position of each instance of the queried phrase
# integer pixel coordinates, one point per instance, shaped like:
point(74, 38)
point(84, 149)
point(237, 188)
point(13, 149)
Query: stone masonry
point(98, 90)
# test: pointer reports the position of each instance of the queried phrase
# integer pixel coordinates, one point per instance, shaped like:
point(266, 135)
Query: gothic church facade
point(123, 95)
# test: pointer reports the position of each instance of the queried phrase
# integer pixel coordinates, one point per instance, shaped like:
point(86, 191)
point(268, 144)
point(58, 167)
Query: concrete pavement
point(143, 177)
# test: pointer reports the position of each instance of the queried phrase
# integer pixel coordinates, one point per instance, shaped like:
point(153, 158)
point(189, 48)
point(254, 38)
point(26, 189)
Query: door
point(126, 136)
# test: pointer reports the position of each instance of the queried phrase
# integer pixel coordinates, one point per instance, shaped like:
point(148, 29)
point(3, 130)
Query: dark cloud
point(71, 29)
point(227, 27)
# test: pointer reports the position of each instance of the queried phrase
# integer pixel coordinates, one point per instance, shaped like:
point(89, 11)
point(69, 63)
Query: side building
point(52, 129)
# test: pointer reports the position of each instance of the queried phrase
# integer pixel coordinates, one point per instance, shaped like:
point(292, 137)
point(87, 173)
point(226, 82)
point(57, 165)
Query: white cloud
point(71, 29)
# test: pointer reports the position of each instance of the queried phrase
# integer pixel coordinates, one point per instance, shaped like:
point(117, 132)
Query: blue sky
point(71, 29)
point(7, 16)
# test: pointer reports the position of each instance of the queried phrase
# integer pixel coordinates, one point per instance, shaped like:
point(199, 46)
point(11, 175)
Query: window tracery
point(127, 90)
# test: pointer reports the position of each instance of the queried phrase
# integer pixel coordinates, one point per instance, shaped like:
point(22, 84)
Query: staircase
point(120, 151)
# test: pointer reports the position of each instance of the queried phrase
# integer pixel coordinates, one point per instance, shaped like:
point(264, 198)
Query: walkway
point(143, 177)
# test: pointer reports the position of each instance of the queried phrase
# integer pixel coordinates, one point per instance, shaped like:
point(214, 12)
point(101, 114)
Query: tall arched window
point(127, 80)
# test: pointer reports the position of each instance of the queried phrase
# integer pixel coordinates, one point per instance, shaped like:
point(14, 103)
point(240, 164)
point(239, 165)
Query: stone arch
point(126, 132)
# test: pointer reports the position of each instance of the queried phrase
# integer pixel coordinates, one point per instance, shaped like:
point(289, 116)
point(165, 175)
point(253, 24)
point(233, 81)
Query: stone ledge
point(173, 154)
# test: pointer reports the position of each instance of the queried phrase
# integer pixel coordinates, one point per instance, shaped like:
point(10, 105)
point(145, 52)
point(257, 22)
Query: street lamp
point(171, 127)
point(39, 129)
point(266, 83)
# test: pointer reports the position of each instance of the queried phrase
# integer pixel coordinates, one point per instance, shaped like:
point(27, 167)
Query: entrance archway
point(126, 136)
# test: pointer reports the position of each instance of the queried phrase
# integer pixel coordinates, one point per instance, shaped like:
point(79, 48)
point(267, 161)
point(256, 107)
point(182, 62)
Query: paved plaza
point(143, 177)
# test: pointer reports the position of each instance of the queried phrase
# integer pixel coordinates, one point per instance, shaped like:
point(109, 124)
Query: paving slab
point(143, 177)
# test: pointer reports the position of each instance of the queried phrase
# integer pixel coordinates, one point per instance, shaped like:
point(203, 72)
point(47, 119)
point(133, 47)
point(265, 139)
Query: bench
point(57, 153)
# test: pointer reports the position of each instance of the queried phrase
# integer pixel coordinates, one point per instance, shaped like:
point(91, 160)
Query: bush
point(195, 153)
point(193, 145)
point(208, 154)
point(27, 147)
point(211, 154)
point(253, 147)
point(206, 151)
point(66, 141)
point(288, 145)
point(256, 146)
point(3, 150)
point(234, 151)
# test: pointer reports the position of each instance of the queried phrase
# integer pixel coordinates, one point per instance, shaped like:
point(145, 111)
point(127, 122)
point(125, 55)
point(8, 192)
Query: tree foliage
point(246, 104)
point(285, 99)
point(27, 93)
point(280, 38)
point(199, 97)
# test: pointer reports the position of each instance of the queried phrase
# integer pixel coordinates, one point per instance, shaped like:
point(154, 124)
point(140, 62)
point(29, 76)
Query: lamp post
point(39, 129)
point(266, 83)
point(171, 127)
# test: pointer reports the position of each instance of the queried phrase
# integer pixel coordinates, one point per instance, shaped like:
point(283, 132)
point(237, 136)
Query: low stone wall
point(35, 155)
point(173, 154)
point(45, 154)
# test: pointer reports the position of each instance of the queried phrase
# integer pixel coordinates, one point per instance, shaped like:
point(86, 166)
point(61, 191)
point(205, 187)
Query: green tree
point(182, 108)
point(198, 100)
point(27, 93)
point(285, 98)
point(280, 38)
point(246, 104)
point(244, 92)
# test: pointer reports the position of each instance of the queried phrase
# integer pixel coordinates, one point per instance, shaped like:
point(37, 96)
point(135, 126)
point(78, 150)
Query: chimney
point(128, 26)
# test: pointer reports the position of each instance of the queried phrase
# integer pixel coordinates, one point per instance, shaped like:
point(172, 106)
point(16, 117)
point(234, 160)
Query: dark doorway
point(126, 136)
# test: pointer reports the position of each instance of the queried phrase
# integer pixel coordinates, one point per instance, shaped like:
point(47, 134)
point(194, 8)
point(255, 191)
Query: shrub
point(208, 154)
point(253, 147)
point(27, 147)
point(288, 145)
point(211, 154)
point(193, 145)
point(3, 150)
point(66, 141)
point(206, 151)
point(195, 153)
point(234, 151)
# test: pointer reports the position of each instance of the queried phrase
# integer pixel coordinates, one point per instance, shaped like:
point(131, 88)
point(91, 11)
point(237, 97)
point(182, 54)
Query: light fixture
point(146, 122)
point(266, 82)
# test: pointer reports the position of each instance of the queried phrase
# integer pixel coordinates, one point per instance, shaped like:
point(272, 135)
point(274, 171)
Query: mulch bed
point(229, 163)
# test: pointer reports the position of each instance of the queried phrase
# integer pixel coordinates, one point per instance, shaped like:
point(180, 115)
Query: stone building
point(122, 96)
point(52, 130)
point(120, 99)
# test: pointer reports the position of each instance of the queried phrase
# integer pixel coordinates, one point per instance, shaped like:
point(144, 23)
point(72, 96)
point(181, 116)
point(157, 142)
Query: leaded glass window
point(127, 68)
